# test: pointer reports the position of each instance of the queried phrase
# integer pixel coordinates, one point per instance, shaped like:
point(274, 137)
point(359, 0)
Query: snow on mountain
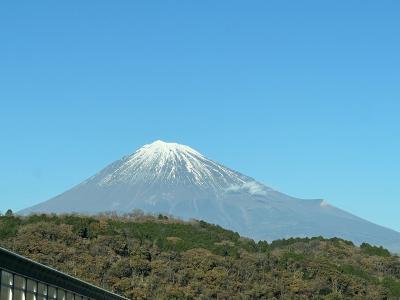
point(175, 179)
point(175, 164)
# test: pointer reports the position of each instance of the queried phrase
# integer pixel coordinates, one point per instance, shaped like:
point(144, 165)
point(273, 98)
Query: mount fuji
point(175, 179)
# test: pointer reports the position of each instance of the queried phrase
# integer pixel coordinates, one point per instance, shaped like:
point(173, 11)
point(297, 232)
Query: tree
point(150, 259)
point(373, 250)
point(84, 233)
point(9, 213)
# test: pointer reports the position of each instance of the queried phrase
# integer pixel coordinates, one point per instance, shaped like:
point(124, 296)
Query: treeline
point(158, 257)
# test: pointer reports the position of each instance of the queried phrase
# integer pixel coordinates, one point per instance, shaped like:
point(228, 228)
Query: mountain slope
point(176, 179)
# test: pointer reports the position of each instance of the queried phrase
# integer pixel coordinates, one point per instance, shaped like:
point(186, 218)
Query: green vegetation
point(373, 250)
point(157, 257)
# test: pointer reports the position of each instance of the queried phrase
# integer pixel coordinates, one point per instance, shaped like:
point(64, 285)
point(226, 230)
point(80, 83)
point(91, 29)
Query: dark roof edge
point(21, 265)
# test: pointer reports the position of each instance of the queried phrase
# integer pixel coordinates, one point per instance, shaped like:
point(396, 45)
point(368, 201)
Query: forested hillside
point(147, 257)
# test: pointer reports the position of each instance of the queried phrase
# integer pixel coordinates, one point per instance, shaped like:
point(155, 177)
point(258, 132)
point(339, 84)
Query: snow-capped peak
point(161, 148)
point(172, 163)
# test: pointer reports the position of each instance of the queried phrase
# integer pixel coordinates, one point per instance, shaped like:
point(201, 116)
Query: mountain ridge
point(175, 179)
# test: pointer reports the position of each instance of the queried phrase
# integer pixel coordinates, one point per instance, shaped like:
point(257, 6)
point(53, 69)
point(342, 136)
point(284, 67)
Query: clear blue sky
point(304, 96)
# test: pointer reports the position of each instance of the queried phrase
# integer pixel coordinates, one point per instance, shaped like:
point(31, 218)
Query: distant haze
point(175, 179)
